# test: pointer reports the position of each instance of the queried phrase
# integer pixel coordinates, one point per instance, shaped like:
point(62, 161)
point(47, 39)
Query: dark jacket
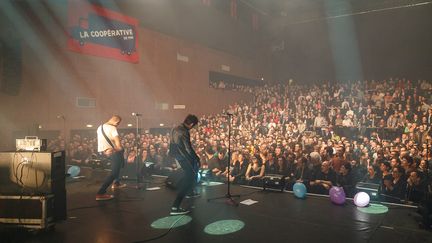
point(415, 193)
point(239, 172)
point(180, 146)
point(398, 192)
point(347, 183)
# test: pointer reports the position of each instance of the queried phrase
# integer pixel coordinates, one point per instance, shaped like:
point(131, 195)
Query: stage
point(277, 217)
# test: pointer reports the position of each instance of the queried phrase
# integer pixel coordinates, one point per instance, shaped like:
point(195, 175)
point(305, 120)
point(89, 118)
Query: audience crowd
point(323, 135)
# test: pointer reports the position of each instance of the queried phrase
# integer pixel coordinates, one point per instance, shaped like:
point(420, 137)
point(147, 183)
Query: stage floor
point(277, 217)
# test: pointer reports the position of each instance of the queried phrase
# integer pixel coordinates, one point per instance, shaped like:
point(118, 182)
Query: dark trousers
point(117, 161)
point(187, 182)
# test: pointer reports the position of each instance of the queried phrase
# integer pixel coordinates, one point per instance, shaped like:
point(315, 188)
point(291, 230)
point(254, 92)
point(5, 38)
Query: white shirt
point(319, 121)
point(347, 123)
point(110, 131)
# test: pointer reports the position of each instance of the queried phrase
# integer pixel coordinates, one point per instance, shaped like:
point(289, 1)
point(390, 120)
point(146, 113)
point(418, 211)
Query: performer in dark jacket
point(181, 149)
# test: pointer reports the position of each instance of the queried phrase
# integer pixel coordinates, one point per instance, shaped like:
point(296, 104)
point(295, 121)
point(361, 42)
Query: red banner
point(95, 30)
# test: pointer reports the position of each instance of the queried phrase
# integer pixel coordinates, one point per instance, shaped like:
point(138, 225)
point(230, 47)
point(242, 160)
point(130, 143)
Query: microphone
point(136, 114)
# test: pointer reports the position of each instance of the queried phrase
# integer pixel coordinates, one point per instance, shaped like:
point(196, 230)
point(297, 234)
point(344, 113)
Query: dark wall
point(379, 45)
point(397, 43)
point(193, 21)
point(10, 59)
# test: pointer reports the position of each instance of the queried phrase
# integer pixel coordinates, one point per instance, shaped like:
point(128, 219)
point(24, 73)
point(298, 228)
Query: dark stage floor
point(277, 217)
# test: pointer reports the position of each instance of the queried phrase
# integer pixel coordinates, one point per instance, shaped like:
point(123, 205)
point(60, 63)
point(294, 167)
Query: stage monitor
point(370, 188)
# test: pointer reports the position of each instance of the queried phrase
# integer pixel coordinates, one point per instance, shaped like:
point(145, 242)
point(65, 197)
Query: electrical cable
point(362, 12)
point(98, 205)
point(83, 207)
point(164, 234)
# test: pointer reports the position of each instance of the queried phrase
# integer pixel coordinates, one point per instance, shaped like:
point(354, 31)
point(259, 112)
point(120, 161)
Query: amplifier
point(35, 174)
point(28, 211)
point(274, 181)
point(31, 143)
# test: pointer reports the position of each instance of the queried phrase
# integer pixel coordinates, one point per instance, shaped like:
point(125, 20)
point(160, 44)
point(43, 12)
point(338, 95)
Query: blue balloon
point(337, 195)
point(299, 190)
point(74, 171)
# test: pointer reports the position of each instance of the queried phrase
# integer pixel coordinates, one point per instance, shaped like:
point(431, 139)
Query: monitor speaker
point(372, 189)
point(274, 181)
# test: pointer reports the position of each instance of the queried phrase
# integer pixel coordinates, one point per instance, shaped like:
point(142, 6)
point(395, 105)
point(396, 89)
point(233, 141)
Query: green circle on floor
point(171, 222)
point(374, 209)
point(223, 227)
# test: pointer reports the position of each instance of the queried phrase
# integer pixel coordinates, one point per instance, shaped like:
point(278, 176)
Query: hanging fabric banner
point(98, 31)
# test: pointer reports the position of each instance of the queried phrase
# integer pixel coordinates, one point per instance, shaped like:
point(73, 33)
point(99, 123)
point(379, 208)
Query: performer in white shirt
point(109, 144)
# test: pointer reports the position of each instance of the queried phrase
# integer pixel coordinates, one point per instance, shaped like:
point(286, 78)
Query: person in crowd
point(299, 173)
point(152, 154)
point(338, 160)
point(345, 179)
point(423, 167)
point(395, 162)
point(359, 170)
point(223, 160)
point(324, 180)
point(372, 175)
point(234, 159)
point(81, 156)
point(271, 165)
point(282, 166)
point(395, 189)
point(386, 174)
point(215, 162)
point(407, 164)
point(255, 172)
point(416, 187)
point(238, 174)
point(164, 163)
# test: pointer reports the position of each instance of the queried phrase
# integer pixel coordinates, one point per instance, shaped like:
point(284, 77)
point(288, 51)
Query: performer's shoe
point(193, 195)
point(104, 197)
point(178, 211)
point(117, 186)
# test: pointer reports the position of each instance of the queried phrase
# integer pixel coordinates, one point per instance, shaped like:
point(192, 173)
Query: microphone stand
point(228, 196)
point(137, 155)
point(428, 187)
point(64, 130)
